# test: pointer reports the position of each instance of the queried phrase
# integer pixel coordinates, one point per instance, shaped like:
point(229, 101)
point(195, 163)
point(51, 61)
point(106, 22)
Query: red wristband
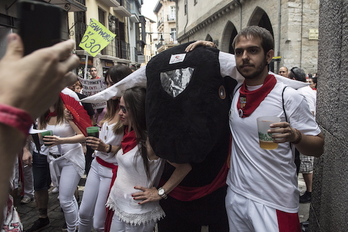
point(16, 118)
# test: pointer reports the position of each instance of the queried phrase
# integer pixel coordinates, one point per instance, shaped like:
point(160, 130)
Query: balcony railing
point(171, 18)
point(125, 4)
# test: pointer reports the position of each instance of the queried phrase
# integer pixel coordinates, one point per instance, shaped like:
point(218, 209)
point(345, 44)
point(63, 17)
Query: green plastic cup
point(47, 133)
point(93, 131)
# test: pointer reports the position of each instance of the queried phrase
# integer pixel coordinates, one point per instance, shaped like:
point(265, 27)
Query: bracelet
point(110, 148)
point(16, 118)
point(298, 140)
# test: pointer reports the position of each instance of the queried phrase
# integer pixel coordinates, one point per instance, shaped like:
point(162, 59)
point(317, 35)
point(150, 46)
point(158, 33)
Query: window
point(172, 13)
point(101, 16)
point(173, 34)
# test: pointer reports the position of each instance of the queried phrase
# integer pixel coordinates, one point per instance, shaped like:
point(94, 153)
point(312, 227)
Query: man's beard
point(256, 73)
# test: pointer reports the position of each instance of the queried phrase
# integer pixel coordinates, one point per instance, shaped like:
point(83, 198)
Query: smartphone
point(40, 24)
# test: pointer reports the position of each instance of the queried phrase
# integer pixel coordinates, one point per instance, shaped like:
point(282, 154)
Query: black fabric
point(188, 127)
point(183, 216)
point(88, 106)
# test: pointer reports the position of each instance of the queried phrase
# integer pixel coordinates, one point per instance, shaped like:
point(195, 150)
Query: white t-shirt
point(311, 97)
point(268, 176)
point(107, 135)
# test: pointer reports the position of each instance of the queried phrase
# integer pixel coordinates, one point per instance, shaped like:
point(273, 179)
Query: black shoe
point(39, 225)
point(306, 197)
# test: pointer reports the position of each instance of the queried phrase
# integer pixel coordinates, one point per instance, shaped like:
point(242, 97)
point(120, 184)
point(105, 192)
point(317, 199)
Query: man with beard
point(200, 197)
point(263, 193)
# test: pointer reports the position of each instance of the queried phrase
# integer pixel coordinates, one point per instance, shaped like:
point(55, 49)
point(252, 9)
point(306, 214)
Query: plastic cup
point(47, 133)
point(93, 131)
point(265, 138)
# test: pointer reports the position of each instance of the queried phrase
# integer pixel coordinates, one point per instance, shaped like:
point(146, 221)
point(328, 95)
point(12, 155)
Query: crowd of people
point(131, 185)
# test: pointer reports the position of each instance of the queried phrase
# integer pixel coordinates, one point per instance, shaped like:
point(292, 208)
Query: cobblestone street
point(29, 214)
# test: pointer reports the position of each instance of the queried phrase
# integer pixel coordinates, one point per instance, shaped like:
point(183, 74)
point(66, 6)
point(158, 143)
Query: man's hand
point(33, 82)
point(200, 43)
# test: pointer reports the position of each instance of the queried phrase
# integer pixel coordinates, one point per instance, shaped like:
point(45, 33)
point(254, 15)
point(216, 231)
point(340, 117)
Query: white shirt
point(268, 176)
point(130, 173)
point(107, 135)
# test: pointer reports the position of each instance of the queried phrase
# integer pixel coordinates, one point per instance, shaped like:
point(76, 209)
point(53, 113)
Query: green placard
point(96, 37)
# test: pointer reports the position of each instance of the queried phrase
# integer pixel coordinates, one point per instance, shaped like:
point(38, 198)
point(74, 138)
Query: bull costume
point(187, 109)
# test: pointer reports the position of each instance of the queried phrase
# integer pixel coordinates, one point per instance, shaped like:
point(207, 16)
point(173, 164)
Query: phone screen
point(40, 24)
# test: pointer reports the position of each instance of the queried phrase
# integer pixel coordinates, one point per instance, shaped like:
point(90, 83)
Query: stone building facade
point(293, 23)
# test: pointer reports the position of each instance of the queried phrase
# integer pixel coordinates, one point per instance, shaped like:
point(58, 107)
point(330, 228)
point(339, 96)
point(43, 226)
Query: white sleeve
point(292, 83)
point(228, 66)
point(137, 78)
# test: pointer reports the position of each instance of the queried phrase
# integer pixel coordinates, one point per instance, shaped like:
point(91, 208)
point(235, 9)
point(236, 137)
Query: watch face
point(160, 191)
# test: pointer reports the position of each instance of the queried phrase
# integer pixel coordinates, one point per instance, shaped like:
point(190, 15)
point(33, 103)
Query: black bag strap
point(297, 153)
point(36, 139)
point(283, 103)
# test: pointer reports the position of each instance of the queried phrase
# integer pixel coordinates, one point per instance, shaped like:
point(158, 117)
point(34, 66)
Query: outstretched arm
point(31, 83)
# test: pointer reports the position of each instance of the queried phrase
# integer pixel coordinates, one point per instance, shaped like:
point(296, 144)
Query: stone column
point(329, 207)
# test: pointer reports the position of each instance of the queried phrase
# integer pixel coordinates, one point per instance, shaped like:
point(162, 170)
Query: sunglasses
point(123, 109)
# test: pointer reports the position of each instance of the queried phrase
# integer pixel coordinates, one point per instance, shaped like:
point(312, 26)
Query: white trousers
point(92, 208)
point(245, 215)
point(119, 226)
point(68, 181)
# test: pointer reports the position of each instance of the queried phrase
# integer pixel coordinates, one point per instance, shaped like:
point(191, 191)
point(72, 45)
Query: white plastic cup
point(265, 139)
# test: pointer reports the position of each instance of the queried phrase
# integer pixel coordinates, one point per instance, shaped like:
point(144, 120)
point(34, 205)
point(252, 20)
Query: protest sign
point(96, 37)
point(91, 87)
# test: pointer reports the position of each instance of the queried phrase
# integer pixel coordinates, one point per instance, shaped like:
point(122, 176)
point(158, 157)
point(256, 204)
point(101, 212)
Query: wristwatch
point(162, 193)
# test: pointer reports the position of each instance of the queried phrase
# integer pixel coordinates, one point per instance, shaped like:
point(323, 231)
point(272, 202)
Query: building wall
point(329, 205)
point(290, 23)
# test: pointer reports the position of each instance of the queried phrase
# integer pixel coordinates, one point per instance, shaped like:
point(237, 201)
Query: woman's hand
point(68, 116)
point(97, 144)
point(52, 140)
point(200, 43)
point(146, 195)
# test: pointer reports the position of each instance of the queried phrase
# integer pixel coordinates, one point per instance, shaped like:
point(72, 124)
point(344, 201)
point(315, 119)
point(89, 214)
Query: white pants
point(119, 226)
point(245, 215)
point(92, 208)
point(68, 181)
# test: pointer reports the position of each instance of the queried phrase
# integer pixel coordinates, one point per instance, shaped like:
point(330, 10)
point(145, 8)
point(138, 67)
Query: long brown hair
point(59, 108)
point(116, 73)
point(134, 99)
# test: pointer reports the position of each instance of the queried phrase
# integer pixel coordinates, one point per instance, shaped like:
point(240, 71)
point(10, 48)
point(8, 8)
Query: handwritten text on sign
point(96, 38)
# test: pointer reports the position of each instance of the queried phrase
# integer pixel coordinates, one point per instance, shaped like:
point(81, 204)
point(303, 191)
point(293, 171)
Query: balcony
point(171, 19)
point(110, 3)
point(123, 9)
point(70, 5)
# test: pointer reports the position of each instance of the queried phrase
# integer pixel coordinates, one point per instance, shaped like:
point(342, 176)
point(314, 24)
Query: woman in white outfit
point(133, 196)
point(66, 158)
point(92, 209)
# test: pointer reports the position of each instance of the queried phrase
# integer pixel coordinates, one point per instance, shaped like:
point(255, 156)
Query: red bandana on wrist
point(249, 100)
point(129, 140)
point(50, 115)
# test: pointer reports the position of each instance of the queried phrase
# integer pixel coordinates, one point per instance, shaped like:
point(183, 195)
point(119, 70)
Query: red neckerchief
point(249, 100)
point(50, 115)
point(129, 140)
